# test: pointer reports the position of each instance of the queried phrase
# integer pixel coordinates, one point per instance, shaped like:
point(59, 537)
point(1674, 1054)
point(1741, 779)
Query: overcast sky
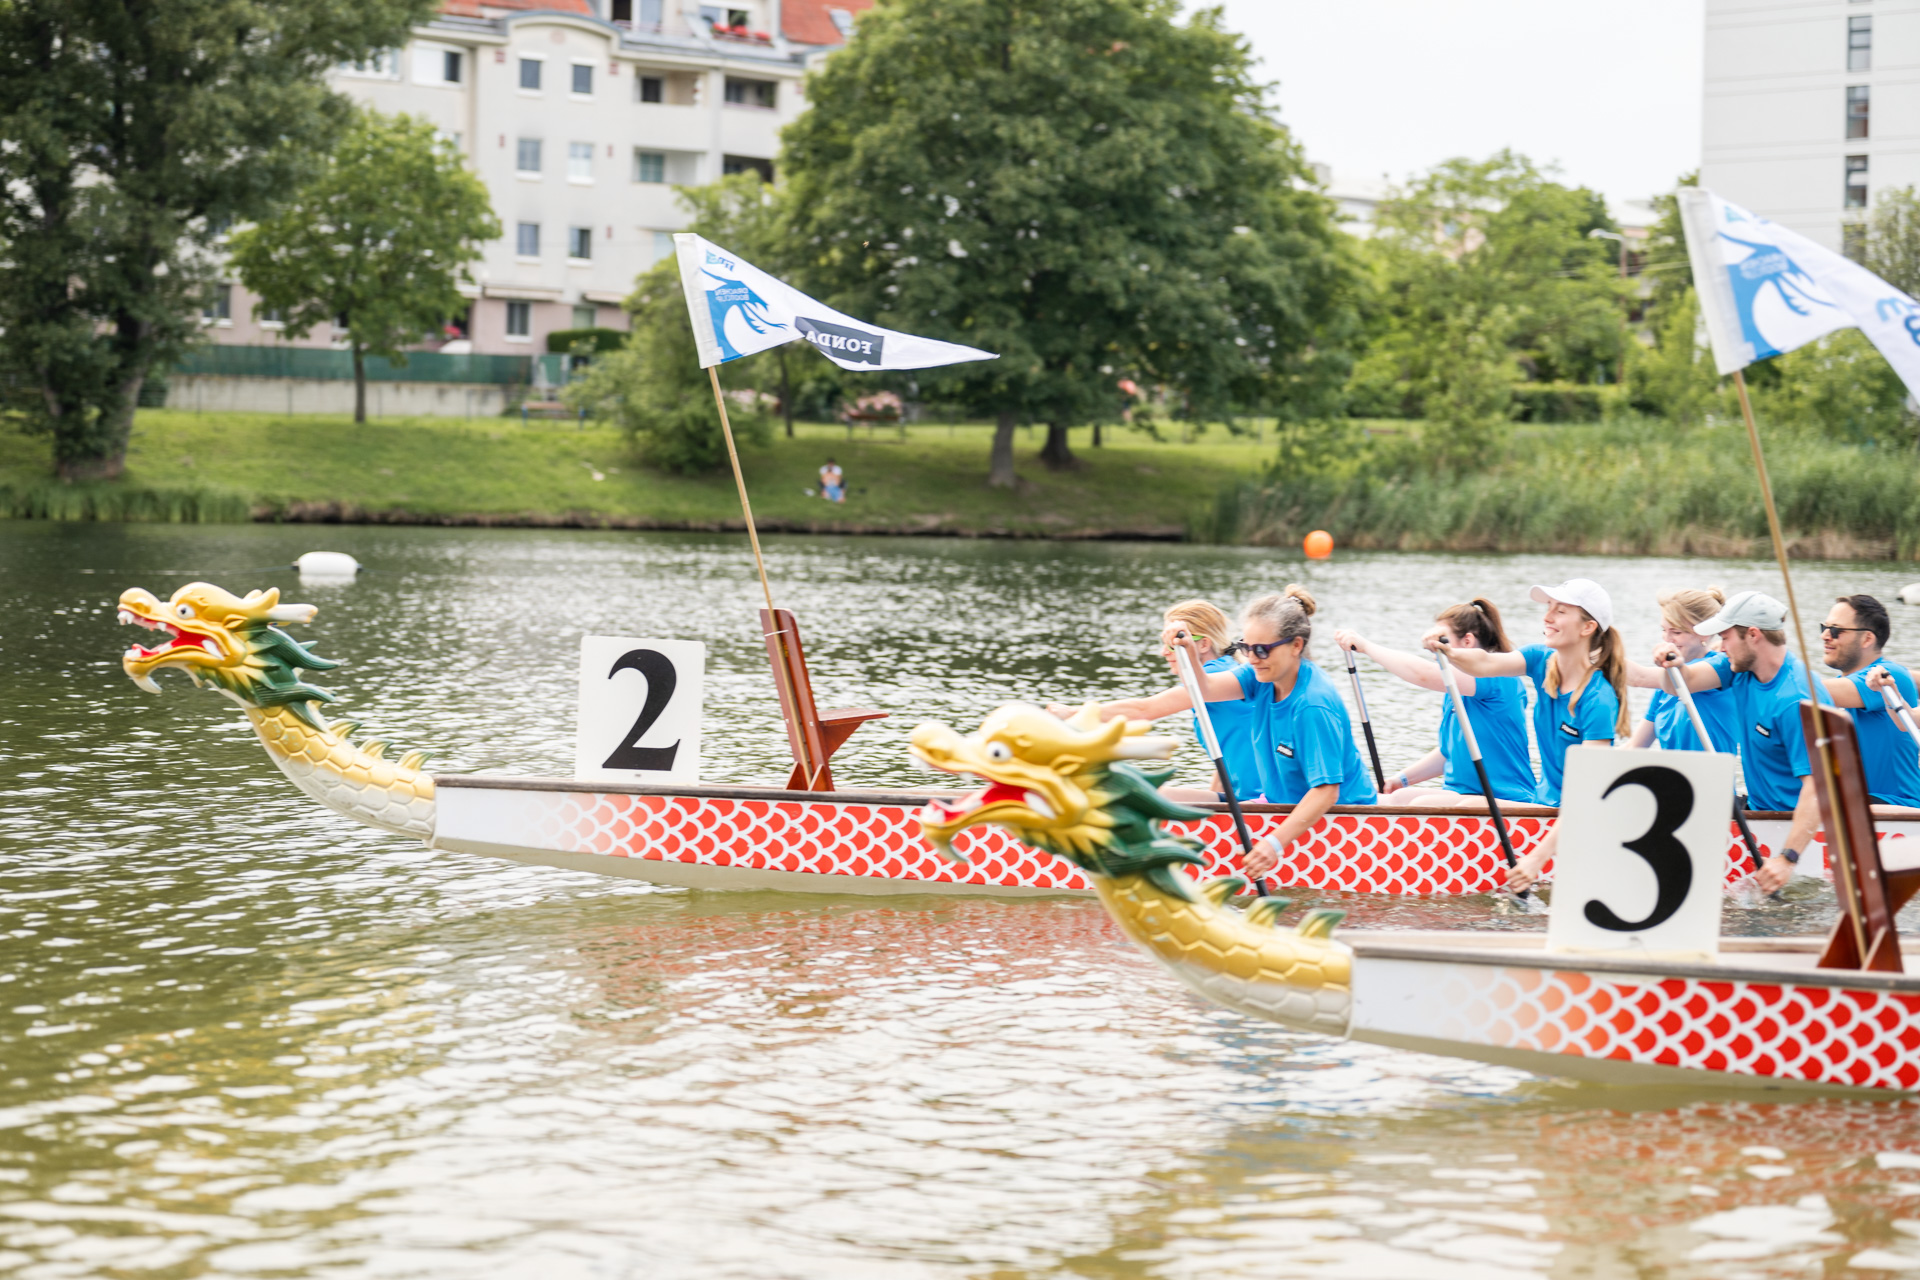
point(1611, 92)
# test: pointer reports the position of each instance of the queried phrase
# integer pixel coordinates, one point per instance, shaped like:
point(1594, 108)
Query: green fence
point(313, 362)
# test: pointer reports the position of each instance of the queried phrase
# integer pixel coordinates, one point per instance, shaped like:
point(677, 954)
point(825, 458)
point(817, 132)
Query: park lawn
point(498, 470)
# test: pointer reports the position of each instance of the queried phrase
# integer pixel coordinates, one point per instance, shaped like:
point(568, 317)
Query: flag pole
point(760, 565)
point(1836, 834)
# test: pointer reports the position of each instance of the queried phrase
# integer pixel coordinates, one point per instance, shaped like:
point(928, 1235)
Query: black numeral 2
point(1672, 865)
point(660, 678)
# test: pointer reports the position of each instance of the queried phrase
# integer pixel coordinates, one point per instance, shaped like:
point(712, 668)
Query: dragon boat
point(806, 836)
point(1831, 1013)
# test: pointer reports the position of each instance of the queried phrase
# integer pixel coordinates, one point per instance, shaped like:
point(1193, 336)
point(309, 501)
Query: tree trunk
point(1056, 452)
point(1000, 468)
point(360, 383)
point(786, 393)
point(1096, 435)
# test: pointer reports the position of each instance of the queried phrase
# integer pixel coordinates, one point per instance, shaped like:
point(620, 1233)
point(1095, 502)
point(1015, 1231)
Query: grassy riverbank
point(1627, 488)
point(233, 466)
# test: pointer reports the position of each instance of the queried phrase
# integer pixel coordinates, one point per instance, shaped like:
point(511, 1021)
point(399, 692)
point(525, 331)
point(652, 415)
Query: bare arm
point(1313, 806)
point(1152, 707)
point(1215, 686)
point(1642, 736)
point(1700, 676)
point(1844, 693)
point(1430, 765)
point(1479, 662)
point(1415, 668)
point(1806, 821)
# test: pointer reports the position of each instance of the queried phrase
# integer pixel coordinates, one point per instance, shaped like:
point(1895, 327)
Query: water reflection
point(241, 1037)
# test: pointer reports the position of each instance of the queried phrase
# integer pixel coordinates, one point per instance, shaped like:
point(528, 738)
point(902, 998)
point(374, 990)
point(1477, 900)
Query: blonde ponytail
point(1203, 618)
point(1610, 660)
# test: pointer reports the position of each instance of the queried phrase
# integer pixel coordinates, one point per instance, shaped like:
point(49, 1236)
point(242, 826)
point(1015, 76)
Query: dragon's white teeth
point(125, 617)
point(1038, 803)
point(146, 682)
point(212, 646)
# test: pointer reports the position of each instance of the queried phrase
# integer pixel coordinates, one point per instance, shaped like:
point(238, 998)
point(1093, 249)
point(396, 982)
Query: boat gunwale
point(1378, 947)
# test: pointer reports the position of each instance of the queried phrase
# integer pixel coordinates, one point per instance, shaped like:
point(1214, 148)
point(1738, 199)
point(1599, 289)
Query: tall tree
point(1092, 188)
point(380, 237)
point(135, 132)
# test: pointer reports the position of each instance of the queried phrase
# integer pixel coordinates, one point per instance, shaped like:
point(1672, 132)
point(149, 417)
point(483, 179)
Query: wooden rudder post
point(812, 735)
point(1870, 895)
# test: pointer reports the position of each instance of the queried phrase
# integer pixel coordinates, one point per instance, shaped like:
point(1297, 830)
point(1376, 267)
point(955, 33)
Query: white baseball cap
point(1584, 592)
point(1747, 609)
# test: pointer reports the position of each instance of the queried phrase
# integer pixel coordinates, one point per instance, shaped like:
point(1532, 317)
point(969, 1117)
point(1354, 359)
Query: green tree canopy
point(1088, 187)
point(135, 132)
point(380, 237)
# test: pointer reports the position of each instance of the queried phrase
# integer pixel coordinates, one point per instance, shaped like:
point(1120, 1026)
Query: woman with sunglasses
point(1306, 752)
point(1580, 682)
point(1496, 706)
point(1667, 724)
point(1206, 626)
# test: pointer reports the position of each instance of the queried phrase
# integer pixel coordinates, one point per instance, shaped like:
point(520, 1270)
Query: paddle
point(1479, 765)
point(1191, 679)
point(1366, 722)
point(1901, 712)
point(1682, 692)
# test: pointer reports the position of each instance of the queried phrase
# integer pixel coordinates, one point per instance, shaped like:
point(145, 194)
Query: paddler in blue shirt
point(1851, 639)
point(1497, 706)
point(1307, 756)
point(1667, 725)
point(1206, 625)
point(1768, 684)
point(1580, 693)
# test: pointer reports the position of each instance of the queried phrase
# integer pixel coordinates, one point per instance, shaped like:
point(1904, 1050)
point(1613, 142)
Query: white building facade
point(1810, 107)
point(580, 116)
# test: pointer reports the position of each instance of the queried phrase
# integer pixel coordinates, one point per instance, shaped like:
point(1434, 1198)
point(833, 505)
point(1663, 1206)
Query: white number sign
point(1643, 852)
point(639, 710)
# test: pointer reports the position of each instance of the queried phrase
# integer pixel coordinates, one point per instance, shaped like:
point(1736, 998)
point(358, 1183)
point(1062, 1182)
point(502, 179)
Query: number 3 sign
point(1643, 852)
point(639, 710)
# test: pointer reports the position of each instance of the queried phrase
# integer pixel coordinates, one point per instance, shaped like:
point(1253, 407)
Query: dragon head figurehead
point(221, 639)
point(1079, 789)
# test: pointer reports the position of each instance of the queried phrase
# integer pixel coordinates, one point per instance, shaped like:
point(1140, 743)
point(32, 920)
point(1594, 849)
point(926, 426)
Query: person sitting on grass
point(833, 485)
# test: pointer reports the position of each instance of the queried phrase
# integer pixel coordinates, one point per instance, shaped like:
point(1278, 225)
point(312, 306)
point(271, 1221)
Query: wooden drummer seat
point(1870, 893)
point(812, 735)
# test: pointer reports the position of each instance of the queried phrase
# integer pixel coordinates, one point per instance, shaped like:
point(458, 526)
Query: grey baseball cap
point(1747, 609)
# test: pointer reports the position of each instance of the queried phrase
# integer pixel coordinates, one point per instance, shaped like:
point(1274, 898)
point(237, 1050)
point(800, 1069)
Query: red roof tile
point(809, 22)
point(473, 8)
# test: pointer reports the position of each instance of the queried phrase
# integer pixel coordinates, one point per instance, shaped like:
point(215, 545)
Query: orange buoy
point(1319, 545)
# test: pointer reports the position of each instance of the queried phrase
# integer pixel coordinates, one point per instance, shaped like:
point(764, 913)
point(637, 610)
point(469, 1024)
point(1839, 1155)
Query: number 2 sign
point(639, 710)
point(1643, 852)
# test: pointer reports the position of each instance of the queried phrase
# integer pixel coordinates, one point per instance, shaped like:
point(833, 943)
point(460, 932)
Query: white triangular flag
point(737, 309)
point(1765, 290)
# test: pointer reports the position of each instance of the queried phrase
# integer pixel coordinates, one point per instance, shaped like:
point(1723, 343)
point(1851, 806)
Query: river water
point(241, 1037)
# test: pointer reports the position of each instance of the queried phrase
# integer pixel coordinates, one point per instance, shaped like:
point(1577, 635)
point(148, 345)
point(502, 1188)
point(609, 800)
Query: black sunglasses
point(1828, 629)
point(1259, 651)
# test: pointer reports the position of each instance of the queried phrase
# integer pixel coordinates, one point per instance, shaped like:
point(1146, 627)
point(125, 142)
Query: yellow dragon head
point(221, 639)
point(1079, 789)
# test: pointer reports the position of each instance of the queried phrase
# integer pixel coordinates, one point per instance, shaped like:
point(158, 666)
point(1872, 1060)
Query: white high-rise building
point(1811, 106)
point(581, 116)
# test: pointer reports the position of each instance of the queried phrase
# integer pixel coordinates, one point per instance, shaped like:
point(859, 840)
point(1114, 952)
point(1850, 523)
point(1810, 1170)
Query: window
point(271, 317)
point(843, 22)
point(652, 89)
point(750, 93)
point(526, 239)
point(530, 74)
point(579, 162)
point(1853, 240)
point(519, 319)
point(663, 246)
point(527, 155)
point(1860, 43)
point(450, 67)
point(745, 164)
point(649, 166)
point(384, 63)
point(1856, 182)
point(580, 243)
point(218, 308)
point(586, 317)
point(582, 78)
point(1859, 106)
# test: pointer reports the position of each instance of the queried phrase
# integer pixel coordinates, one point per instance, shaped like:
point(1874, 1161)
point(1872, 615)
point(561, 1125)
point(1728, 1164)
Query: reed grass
point(135, 503)
point(1631, 487)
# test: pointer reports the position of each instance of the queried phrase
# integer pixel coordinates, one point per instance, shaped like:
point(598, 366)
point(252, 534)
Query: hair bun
point(1304, 596)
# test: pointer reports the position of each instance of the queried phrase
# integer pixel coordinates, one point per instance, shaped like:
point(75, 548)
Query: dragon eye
point(184, 610)
point(999, 751)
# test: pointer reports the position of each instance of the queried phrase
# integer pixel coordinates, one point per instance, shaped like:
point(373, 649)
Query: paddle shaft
point(1366, 721)
point(1678, 680)
point(1198, 696)
point(1479, 765)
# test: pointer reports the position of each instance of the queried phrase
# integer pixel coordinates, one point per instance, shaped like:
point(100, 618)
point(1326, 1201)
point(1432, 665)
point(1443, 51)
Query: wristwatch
point(1791, 855)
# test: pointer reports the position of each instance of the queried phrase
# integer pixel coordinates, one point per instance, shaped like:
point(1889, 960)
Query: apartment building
point(1810, 107)
point(580, 116)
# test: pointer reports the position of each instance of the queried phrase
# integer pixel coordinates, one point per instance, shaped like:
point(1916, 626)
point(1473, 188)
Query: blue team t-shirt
point(1773, 745)
point(1304, 740)
point(1562, 721)
point(1673, 730)
point(1233, 726)
point(1893, 764)
point(1498, 711)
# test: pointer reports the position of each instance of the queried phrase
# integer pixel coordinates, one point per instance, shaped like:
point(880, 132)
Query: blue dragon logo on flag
point(726, 295)
point(1766, 267)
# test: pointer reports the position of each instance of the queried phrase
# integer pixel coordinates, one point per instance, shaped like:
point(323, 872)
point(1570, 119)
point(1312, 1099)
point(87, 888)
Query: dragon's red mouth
point(177, 639)
point(948, 812)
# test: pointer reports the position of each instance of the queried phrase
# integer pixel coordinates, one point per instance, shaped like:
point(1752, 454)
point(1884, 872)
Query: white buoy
point(326, 568)
point(1910, 594)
